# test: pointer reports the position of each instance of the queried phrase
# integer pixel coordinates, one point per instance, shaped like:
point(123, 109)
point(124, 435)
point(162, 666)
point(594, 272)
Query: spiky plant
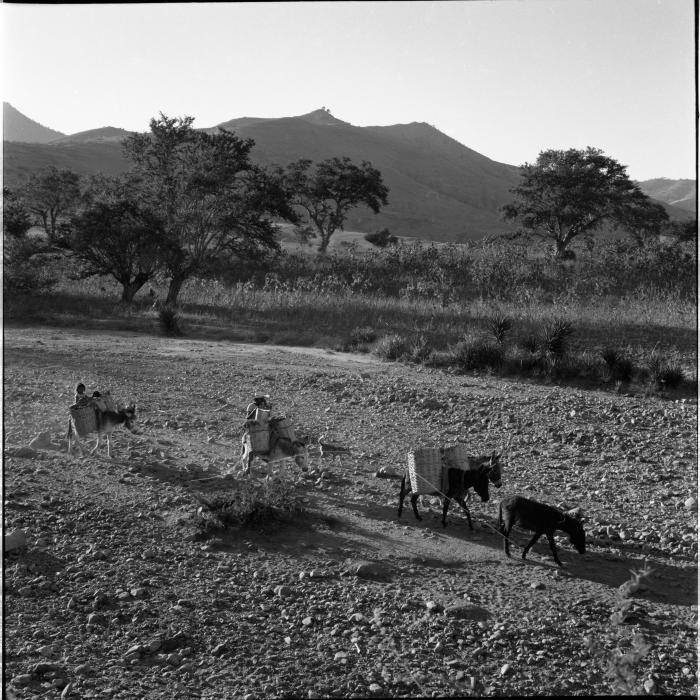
point(555, 336)
point(499, 325)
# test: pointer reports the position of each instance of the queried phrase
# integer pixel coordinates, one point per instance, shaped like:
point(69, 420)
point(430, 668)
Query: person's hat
point(261, 396)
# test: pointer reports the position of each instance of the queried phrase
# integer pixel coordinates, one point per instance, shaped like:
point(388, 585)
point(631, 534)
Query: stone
point(22, 680)
point(466, 611)
point(43, 442)
point(691, 503)
point(14, 540)
point(25, 452)
point(371, 570)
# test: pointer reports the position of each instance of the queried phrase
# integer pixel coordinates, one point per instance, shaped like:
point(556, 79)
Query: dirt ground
point(117, 594)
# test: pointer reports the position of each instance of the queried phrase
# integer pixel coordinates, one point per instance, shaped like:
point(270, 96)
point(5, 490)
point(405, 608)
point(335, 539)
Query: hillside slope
point(679, 193)
point(17, 127)
point(439, 189)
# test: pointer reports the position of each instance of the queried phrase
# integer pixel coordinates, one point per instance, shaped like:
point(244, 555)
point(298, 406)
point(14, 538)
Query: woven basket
point(109, 402)
point(258, 436)
point(283, 427)
point(84, 420)
point(262, 415)
point(457, 457)
point(425, 468)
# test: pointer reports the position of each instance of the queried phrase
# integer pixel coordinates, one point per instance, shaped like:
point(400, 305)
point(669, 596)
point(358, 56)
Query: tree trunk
point(129, 291)
point(176, 283)
point(560, 249)
point(323, 245)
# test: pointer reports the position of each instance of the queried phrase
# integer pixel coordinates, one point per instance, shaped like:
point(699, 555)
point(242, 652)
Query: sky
point(507, 78)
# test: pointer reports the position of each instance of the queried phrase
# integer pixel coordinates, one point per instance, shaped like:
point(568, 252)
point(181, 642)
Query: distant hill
point(107, 134)
point(22, 159)
point(679, 193)
point(439, 189)
point(17, 127)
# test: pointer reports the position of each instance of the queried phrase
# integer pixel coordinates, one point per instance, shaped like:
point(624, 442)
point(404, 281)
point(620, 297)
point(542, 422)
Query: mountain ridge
point(439, 189)
point(17, 127)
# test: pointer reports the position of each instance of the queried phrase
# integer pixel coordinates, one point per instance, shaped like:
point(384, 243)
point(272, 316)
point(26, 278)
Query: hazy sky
point(508, 78)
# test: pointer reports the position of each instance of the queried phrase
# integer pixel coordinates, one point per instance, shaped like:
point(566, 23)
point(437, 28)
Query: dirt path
point(463, 618)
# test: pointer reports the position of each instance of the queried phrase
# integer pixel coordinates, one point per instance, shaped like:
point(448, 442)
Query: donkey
point(107, 422)
point(458, 481)
point(281, 448)
point(541, 518)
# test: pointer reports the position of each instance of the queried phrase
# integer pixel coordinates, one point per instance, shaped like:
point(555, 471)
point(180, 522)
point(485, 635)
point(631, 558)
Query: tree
point(50, 195)
point(327, 193)
point(686, 230)
point(645, 221)
point(382, 238)
point(212, 199)
point(16, 220)
point(118, 235)
point(565, 194)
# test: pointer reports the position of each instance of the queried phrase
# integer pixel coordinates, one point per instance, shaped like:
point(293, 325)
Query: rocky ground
point(111, 592)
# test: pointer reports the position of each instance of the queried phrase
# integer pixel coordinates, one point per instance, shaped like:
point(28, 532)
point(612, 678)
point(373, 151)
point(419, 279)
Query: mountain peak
point(17, 127)
point(323, 117)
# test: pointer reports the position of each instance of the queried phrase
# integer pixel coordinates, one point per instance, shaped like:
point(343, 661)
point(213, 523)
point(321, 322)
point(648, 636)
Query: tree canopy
point(117, 234)
point(51, 194)
point(566, 194)
point(212, 199)
point(16, 220)
point(327, 192)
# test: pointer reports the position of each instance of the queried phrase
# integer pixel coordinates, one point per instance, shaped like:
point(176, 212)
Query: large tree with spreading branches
point(326, 192)
point(568, 194)
point(213, 200)
point(118, 234)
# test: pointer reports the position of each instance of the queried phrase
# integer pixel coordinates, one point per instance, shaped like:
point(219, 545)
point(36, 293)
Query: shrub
point(362, 335)
point(381, 238)
point(392, 347)
point(555, 335)
point(252, 503)
point(619, 367)
point(169, 321)
point(500, 326)
point(419, 349)
point(440, 359)
point(621, 666)
point(25, 268)
point(661, 374)
point(478, 355)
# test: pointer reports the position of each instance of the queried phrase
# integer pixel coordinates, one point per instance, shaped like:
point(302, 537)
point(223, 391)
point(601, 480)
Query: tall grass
point(433, 296)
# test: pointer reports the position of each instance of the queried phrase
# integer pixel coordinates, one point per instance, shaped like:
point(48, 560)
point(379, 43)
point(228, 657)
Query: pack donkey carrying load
point(271, 439)
point(448, 472)
point(97, 415)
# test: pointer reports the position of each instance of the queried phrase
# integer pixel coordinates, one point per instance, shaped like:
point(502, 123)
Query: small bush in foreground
point(619, 367)
point(621, 666)
point(169, 321)
point(661, 374)
point(274, 498)
point(555, 335)
point(500, 326)
point(392, 347)
point(362, 335)
point(478, 355)
point(441, 359)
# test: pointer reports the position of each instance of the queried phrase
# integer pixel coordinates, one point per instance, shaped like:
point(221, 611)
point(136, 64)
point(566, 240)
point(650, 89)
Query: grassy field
point(431, 300)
